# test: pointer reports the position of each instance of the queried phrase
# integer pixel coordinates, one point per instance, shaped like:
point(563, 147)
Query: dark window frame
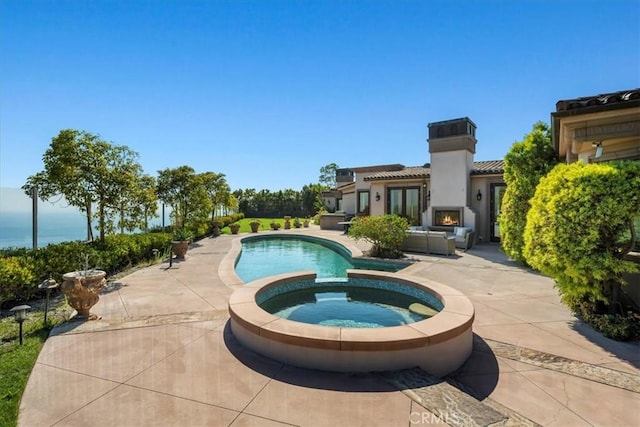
point(404, 201)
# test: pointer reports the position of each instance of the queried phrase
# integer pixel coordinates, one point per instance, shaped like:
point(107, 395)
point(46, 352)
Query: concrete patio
point(163, 355)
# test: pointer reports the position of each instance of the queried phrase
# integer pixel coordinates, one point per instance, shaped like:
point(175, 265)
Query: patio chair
point(440, 243)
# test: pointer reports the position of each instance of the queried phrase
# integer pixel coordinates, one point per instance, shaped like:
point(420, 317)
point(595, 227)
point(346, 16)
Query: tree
point(311, 198)
point(218, 191)
point(328, 175)
point(525, 163)
point(185, 191)
point(147, 199)
point(580, 228)
point(136, 206)
point(86, 170)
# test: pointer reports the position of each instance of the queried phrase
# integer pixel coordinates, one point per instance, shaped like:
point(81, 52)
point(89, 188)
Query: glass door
point(405, 202)
point(497, 192)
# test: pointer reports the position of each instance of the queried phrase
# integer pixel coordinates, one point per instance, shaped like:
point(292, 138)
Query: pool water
point(347, 307)
point(269, 256)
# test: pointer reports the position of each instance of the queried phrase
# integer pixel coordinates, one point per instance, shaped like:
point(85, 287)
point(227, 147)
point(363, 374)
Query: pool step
point(422, 309)
point(331, 296)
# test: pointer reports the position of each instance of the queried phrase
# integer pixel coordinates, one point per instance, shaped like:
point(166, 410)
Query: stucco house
point(452, 190)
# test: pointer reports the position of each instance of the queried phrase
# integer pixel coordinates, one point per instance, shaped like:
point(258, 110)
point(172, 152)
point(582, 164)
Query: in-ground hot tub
point(438, 344)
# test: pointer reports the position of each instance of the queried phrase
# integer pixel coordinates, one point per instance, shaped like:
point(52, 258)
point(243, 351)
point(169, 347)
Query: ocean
point(53, 227)
point(57, 222)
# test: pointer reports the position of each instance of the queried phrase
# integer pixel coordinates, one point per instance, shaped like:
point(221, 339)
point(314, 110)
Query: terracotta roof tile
point(599, 100)
point(486, 167)
point(411, 172)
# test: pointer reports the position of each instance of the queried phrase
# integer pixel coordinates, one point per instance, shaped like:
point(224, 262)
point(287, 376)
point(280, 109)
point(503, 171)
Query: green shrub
point(619, 327)
point(17, 279)
point(525, 163)
point(24, 269)
point(576, 226)
point(385, 232)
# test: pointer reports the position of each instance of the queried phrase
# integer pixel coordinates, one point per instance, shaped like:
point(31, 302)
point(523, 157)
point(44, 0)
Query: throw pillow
point(461, 231)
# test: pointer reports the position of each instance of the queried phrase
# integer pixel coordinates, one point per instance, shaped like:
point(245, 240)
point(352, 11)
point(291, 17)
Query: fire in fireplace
point(447, 217)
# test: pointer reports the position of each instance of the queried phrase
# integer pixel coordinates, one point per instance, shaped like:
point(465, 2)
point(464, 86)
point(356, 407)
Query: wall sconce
point(20, 314)
point(598, 147)
point(377, 196)
point(479, 195)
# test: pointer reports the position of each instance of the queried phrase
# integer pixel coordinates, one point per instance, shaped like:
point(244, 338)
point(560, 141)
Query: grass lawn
point(265, 224)
point(16, 361)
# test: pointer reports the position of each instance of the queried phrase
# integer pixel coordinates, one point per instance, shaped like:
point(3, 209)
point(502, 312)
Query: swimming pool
point(263, 256)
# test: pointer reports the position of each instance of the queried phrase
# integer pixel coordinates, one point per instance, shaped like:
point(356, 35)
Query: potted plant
point(287, 222)
point(275, 226)
point(305, 223)
point(216, 228)
point(235, 227)
point(180, 242)
point(82, 289)
point(254, 226)
point(297, 223)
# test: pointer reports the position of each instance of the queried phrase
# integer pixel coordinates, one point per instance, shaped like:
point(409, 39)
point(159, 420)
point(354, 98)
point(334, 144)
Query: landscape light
point(47, 285)
point(20, 314)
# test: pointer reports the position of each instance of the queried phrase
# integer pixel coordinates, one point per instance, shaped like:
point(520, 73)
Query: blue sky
point(268, 92)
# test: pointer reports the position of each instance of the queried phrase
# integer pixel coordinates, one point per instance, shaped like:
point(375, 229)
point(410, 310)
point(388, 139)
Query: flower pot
point(82, 289)
point(234, 228)
point(254, 226)
point(287, 222)
point(179, 248)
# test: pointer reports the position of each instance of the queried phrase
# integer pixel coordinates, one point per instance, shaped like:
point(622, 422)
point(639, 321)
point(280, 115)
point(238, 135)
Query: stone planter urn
point(234, 228)
point(82, 289)
point(287, 222)
point(179, 248)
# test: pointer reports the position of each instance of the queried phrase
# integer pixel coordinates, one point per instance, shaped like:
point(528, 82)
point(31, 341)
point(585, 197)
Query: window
point(363, 203)
point(405, 202)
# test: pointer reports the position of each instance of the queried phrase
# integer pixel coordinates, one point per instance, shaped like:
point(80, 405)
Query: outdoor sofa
point(438, 240)
point(429, 242)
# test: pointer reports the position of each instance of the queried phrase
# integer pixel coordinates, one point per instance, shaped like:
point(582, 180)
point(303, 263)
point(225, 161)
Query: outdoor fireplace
point(447, 216)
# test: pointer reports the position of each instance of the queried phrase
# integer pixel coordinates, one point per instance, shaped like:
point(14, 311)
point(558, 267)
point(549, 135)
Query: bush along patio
point(384, 232)
point(579, 231)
